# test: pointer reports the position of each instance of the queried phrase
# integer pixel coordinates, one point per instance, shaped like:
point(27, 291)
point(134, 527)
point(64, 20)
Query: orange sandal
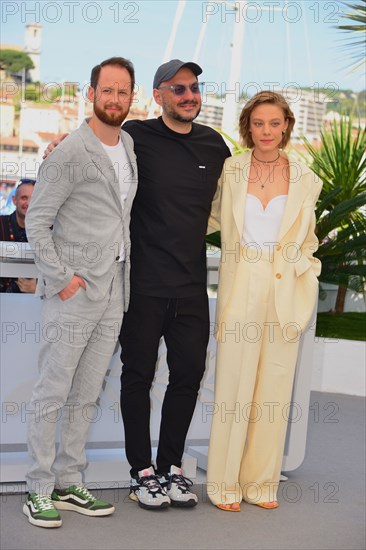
point(233, 507)
point(268, 505)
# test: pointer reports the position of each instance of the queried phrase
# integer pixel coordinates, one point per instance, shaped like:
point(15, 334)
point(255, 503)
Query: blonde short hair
point(272, 98)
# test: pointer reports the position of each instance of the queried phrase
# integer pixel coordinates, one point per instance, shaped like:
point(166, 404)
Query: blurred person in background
point(12, 228)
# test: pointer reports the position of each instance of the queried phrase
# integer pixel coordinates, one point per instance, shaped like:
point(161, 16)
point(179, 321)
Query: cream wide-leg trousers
point(255, 367)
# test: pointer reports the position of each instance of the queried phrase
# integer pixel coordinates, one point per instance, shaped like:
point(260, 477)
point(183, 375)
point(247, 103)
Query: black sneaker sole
point(180, 504)
point(147, 507)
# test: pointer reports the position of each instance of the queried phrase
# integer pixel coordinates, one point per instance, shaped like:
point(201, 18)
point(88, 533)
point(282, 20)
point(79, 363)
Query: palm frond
point(214, 239)
point(238, 149)
point(355, 13)
point(341, 162)
point(340, 212)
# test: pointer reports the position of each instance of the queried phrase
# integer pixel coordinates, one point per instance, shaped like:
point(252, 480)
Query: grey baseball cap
point(166, 71)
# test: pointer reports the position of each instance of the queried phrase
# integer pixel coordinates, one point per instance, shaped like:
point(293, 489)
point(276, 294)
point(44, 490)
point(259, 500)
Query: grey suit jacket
point(75, 222)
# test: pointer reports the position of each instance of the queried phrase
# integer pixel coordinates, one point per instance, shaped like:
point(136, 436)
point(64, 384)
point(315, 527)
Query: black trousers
point(184, 324)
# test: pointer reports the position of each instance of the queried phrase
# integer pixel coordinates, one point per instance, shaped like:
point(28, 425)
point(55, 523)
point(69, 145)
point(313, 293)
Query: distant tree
point(37, 93)
point(14, 61)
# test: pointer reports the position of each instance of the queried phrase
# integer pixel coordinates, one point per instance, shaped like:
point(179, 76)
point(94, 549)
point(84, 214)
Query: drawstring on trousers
point(176, 306)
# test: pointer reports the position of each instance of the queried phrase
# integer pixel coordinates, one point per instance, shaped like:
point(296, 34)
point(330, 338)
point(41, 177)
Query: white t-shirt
point(122, 167)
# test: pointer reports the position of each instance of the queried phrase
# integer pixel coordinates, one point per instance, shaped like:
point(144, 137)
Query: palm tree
point(356, 29)
point(341, 215)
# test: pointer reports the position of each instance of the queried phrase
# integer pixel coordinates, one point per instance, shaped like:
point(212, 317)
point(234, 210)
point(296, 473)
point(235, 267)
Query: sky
point(300, 45)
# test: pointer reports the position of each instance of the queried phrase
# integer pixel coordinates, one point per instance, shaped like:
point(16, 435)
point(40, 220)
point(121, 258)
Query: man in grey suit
point(78, 225)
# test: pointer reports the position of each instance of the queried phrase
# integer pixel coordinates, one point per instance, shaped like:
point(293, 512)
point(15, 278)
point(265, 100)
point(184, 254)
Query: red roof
point(48, 136)
point(15, 141)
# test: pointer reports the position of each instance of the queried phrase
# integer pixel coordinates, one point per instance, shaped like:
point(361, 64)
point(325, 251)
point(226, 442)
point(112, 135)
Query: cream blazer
point(295, 270)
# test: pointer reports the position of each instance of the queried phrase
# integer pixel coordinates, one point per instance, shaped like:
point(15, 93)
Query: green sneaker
point(80, 500)
point(41, 511)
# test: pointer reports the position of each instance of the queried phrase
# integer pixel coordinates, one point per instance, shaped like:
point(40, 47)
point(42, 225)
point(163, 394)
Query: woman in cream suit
point(268, 287)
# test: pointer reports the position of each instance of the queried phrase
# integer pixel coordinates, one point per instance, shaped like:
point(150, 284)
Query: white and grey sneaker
point(177, 487)
point(147, 491)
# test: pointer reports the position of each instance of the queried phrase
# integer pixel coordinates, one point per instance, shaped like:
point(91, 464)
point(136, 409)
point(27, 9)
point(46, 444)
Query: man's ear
point(91, 94)
point(14, 199)
point(157, 96)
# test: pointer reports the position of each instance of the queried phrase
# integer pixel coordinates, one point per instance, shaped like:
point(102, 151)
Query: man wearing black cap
point(179, 163)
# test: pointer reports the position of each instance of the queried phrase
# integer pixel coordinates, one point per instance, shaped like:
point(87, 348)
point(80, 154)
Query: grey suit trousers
point(79, 338)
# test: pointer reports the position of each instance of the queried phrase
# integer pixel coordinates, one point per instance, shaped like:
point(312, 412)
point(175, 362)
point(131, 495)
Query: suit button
point(117, 259)
point(278, 247)
point(278, 276)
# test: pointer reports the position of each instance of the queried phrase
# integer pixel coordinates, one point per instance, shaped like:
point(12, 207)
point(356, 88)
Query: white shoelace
point(84, 491)
point(44, 502)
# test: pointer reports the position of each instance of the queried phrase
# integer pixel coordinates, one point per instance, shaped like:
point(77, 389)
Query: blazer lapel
point(129, 151)
point(133, 173)
point(104, 164)
point(295, 199)
point(100, 158)
point(238, 179)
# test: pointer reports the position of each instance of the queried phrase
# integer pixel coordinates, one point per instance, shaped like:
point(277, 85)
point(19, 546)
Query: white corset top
point(262, 225)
